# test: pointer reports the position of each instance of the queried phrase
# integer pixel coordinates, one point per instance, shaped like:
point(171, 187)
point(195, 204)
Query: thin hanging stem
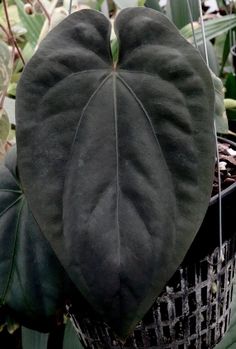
point(215, 131)
point(191, 21)
point(11, 36)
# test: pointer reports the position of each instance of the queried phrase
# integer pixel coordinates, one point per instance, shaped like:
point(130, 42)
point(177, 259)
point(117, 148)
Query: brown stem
point(11, 36)
point(5, 31)
point(45, 11)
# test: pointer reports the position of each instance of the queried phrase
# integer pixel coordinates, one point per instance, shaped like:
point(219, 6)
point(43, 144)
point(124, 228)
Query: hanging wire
point(215, 130)
point(70, 6)
point(203, 32)
point(76, 325)
point(191, 21)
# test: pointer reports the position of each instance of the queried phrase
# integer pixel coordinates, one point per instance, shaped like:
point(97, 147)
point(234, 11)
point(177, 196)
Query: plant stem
point(45, 11)
point(5, 31)
point(11, 36)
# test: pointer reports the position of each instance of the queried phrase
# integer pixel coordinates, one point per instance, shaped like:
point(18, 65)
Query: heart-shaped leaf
point(117, 160)
point(32, 281)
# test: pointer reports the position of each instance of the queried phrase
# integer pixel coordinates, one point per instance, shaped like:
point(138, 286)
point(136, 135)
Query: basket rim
point(232, 187)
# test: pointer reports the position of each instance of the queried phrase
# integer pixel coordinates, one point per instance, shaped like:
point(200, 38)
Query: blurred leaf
point(226, 51)
point(213, 28)
point(4, 126)
point(27, 53)
point(5, 69)
point(154, 4)
point(71, 339)
point(90, 3)
point(230, 86)
point(141, 2)
point(12, 89)
point(99, 4)
point(34, 340)
point(115, 50)
point(220, 114)
point(213, 61)
point(230, 103)
point(126, 3)
point(12, 325)
point(12, 136)
point(58, 15)
point(178, 12)
point(9, 106)
point(94, 4)
point(18, 30)
point(13, 16)
point(32, 23)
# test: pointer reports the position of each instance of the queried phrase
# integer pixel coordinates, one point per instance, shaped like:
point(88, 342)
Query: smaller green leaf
point(213, 28)
point(99, 4)
point(220, 113)
point(154, 4)
point(71, 339)
point(126, 3)
point(5, 69)
point(11, 91)
point(32, 23)
point(115, 50)
point(27, 53)
point(212, 58)
point(178, 12)
point(9, 106)
point(226, 51)
point(34, 339)
point(141, 2)
point(18, 30)
point(230, 103)
point(230, 86)
point(12, 325)
point(4, 126)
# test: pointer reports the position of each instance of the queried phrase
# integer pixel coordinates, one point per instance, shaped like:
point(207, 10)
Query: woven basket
point(193, 312)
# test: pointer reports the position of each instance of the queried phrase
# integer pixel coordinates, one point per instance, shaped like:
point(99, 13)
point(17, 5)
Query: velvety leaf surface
point(32, 280)
point(117, 161)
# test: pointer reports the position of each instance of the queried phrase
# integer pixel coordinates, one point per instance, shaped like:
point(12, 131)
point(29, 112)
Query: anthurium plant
point(115, 163)
point(33, 282)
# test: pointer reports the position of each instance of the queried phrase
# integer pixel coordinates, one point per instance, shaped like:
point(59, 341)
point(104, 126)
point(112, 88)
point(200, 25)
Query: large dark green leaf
point(32, 280)
point(117, 161)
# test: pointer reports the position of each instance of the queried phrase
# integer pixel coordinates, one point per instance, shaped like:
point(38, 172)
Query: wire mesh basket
point(192, 313)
